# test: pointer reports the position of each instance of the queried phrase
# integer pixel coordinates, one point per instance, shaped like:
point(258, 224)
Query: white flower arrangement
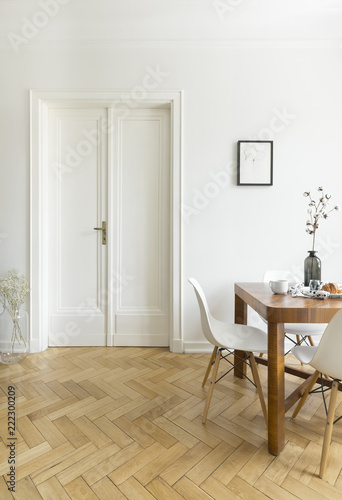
point(14, 289)
point(317, 210)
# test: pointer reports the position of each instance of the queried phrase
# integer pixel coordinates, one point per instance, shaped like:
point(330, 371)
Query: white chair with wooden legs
point(325, 358)
point(302, 331)
point(227, 337)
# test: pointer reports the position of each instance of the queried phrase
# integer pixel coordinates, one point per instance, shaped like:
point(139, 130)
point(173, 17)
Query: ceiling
point(178, 20)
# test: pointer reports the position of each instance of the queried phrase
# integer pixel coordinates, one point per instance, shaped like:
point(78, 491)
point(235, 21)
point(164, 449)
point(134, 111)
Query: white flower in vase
point(14, 289)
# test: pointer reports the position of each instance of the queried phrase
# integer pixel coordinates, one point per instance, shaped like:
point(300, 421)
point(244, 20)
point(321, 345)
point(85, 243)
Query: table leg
point(241, 319)
point(276, 388)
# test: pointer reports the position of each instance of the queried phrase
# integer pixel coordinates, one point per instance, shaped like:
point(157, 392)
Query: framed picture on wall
point(255, 163)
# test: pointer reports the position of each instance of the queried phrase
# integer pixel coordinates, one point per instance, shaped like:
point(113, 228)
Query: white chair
point(302, 331)
point(227, 337)
point(325, 358)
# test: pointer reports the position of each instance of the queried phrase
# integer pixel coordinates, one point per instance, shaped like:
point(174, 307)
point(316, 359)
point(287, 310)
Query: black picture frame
point(255, 163)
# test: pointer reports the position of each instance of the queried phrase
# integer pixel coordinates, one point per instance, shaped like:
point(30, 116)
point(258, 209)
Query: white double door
point(106, 169)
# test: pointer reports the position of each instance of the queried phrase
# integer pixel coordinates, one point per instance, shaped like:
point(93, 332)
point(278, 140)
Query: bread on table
point(331, 288)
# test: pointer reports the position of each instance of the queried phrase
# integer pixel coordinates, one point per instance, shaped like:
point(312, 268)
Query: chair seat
point(305, 328)
point(242, 337)
point(304, 353)
point(239, 337)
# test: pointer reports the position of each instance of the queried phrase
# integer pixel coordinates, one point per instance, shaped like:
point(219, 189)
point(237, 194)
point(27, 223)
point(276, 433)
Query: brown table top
point(285, 308)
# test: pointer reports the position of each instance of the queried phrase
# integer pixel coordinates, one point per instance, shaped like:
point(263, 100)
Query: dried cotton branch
point(317, 210)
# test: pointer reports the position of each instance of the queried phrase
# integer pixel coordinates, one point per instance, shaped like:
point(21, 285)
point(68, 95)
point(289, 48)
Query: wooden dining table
point(277, 310)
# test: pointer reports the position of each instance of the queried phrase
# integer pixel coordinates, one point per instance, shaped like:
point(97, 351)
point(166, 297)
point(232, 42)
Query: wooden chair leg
point(212, 385)
point(256, 378)
point(213, 354)
point(328, 429)
point(311, 340)
point(302, 400)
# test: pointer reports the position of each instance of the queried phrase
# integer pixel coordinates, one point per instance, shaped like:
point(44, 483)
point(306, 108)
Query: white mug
point(279, 286)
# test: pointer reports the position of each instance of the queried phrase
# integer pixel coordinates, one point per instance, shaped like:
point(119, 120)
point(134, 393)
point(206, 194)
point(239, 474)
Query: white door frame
point(40, 102)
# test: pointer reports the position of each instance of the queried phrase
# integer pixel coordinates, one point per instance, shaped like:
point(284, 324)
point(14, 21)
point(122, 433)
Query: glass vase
point(14, 341)
point(312, 267)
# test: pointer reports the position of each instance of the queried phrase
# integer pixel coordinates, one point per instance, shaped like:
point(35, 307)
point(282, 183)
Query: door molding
point(40, 102)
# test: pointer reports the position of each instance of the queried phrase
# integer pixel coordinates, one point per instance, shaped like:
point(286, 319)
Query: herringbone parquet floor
point(116, 423)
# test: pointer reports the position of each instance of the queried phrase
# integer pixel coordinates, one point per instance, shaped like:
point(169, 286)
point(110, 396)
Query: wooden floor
point(116, 423)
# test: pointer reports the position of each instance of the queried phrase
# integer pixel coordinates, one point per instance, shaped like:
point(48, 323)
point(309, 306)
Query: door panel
point(143, 228)
point(77, 204)
point(131, 296)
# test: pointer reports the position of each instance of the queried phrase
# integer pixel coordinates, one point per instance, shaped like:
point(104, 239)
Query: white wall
point(238, 73)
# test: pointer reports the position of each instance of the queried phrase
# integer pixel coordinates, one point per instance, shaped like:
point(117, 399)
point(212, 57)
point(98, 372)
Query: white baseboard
point(124, 340)
point(84, 340)
point(177, 346)
point(36, 347)
point(197, 347)
point(140, 340)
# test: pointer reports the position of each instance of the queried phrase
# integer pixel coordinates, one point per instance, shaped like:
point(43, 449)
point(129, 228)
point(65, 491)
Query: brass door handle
point(104, 231)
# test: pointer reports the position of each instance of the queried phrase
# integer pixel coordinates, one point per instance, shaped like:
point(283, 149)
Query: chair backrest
point(279, 275)
point(206, 317)
point(328, 357)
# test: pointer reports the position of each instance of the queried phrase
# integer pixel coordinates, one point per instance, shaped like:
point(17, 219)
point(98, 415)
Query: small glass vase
point(14, 341)
point(312, 267)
